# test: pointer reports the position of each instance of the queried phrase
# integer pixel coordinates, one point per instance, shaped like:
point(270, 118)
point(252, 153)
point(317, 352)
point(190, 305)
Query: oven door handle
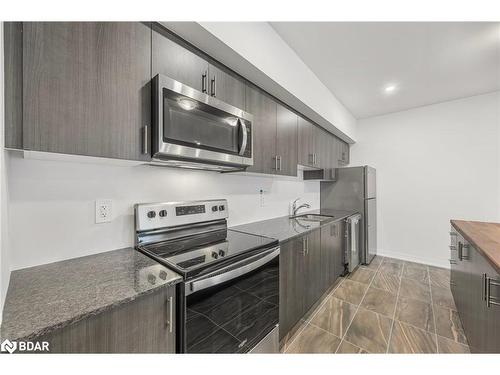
point(244, 138)
point(219, 276)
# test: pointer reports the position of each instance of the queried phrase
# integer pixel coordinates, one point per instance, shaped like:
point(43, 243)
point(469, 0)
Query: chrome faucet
point(295, 208)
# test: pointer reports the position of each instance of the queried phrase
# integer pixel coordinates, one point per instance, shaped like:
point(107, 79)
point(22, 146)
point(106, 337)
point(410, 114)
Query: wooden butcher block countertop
point(485, 237)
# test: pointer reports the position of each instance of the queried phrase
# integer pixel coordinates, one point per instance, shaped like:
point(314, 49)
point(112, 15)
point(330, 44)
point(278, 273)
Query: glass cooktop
point(190, 255)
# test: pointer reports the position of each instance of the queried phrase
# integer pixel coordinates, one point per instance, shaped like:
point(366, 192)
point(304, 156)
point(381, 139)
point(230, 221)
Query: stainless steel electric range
point(228, 301)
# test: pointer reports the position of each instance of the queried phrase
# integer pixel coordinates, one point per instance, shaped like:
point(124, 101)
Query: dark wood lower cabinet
point(291, 304)
point(309, 266)
point(312, 259)
point(141, 326)
point(471, 276)
point(332, 260)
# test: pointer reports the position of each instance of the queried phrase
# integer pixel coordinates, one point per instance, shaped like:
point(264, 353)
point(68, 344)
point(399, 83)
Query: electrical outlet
point(262, 198)
point(103, 210)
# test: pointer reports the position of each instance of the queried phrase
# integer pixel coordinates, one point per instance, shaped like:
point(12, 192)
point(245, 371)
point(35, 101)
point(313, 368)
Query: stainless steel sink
point(312, 217)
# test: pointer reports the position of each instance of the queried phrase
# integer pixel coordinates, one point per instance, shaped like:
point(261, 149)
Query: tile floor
point(390, 306)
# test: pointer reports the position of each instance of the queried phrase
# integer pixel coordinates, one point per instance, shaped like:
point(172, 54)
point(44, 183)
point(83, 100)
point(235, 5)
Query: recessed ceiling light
point(390, 89)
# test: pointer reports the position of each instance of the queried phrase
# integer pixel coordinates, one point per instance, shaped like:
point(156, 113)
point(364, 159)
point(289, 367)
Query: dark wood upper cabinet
point(286, 141)
point(226, 87)
point(177, 62)
point(306, 139)
point(263, 108)
point(86, 88)
point(343, 153)
point(13, 76)
point(173, 58)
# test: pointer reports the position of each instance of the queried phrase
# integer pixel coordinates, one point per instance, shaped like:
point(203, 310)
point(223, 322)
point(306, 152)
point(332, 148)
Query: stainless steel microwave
point(194, 130)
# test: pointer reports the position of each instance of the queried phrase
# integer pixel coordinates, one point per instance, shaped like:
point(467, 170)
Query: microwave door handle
point(220, 276)
point(244, 138)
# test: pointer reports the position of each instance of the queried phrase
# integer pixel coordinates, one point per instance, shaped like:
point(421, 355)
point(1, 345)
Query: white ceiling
point(427, 62)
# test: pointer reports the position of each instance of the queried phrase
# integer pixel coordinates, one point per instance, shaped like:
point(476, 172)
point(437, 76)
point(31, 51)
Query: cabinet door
point(291, 305)
point(226, 87)
point(327, 256)
point(286, 141)
point(305, 142)
point(486, 338)
point(324, 149)
point(177, 62)
point(312, 273)
point(454, 272)
point(332, 156)
point(338, 251)
point(472, 317)
point(263, 109)
point(343, 152)
point(13, 76)
point(140, 326)
point(86, 88)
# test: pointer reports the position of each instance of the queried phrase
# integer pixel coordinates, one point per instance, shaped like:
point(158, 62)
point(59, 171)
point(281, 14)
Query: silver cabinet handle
point(275, 162)
point(452, 247)
point(279, 162)
point(204, 78)
point(307, 245)
point(145, 140)
point(213, 87)
point(452, 261)
point(484, 282)
point(304, 251)
point(170, 318)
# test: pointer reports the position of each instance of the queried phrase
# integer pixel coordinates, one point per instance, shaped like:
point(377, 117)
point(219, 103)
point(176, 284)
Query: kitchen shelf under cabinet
point(145, 325)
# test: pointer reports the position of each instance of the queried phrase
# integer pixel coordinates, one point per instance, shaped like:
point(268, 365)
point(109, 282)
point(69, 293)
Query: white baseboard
point(412, 258)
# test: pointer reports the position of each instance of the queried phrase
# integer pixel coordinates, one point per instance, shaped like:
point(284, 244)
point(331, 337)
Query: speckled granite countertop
point(283, 228)
point(44, 298)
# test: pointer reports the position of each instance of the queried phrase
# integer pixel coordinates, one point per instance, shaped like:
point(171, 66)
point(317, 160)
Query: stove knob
point(215, 255)
point(152, 279)
point(163, 213)
point(151, 214)
point(163, 275)
point(222, 253)
point(214, 208)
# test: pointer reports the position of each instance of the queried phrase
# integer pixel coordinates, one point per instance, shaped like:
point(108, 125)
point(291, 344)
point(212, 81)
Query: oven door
point(232, 310)
point(193, 126)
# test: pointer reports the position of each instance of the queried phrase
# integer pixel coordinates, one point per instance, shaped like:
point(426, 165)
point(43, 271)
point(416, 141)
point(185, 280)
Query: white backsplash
point(52, 203)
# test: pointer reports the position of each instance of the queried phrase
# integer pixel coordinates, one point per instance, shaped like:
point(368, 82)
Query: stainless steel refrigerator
point(354, 189)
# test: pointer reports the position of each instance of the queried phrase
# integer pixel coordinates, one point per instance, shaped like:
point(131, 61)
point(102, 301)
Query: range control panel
point(171, 214)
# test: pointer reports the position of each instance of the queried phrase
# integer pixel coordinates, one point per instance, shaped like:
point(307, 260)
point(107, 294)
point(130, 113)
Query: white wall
point(4, 250)
point(434, 163)
point(256, 51)
point(52, 203)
